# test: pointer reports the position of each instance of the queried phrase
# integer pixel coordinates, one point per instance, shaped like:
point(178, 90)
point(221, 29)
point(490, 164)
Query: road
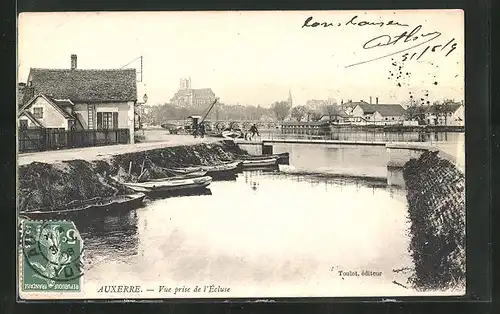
point(103, 152)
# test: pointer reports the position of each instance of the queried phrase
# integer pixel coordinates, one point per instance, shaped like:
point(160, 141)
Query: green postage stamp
point(51, 256)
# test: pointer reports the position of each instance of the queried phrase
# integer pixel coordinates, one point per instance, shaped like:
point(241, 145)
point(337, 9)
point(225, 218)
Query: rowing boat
point(270, 161)
point(216, 171)
point(94, 205)
point(283, 158)
point(168, 184)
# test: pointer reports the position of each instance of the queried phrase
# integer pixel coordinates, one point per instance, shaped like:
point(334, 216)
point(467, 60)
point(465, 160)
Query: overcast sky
point(255, 57)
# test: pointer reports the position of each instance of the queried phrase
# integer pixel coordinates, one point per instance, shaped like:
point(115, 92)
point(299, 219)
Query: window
point(38, 112)
point(107, 120)
point(23, 124)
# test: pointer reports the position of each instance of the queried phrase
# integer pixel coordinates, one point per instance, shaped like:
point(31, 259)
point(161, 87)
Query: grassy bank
point(436, 201)
point(46, 185)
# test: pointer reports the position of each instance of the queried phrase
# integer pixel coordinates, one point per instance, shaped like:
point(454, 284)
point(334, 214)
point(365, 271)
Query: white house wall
point(131, 120)
point(51, 117)
point(123, 109)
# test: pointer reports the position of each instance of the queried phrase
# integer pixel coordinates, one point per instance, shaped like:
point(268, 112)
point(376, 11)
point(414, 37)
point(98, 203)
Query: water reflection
point(266, 227)
point(109, 237)
point(179, 193)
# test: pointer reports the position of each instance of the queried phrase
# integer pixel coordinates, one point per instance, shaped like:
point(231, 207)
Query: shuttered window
point(107, 120)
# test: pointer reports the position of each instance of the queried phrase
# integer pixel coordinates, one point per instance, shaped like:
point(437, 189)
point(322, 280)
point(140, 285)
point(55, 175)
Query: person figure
point(201, 129)
point(253, 131)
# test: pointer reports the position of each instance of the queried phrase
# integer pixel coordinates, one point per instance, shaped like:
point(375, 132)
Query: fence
point(50, 139)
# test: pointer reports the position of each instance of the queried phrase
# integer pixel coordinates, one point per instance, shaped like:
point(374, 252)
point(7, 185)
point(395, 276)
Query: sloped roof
point(51, 101)
point(24, 94)
point(383, 109)
point(194, 92)
point(30, 116)
point(448, 107)
point(352, 104)
point(63, 102)
point(85, 85)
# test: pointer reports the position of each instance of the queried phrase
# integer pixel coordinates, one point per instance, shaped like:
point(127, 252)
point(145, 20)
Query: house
point(338, 116)
point(46, 112)
point(448, 114)
point(86, 99)
point(380, 114)
point(349, 106)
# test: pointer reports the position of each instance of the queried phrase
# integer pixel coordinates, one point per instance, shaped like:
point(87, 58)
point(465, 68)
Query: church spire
point(290, 97)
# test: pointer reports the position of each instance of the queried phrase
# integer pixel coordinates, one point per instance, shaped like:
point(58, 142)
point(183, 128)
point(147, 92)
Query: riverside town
point(225, 160)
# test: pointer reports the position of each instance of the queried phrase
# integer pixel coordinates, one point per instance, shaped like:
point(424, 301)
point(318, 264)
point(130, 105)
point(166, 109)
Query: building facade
point(93, 99)
point(186, 96)
point(378, 114)
point(448, 114)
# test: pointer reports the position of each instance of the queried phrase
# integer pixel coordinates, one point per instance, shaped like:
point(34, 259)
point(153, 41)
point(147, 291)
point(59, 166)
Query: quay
point(103, 152)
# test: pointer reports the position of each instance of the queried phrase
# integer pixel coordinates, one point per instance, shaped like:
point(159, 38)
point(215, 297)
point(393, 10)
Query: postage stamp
point(51, 256)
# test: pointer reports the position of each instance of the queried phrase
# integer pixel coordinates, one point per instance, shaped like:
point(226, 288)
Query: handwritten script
point(406, 42)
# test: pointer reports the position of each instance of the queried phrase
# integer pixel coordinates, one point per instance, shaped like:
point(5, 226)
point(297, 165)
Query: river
point(283, 233)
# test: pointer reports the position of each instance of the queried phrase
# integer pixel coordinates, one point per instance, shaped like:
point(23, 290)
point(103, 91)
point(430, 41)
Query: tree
point(313, 115)
point(281, 109)
point(298, 112)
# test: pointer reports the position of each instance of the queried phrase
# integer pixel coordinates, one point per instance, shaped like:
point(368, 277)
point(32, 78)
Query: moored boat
point(166, 185)
point(214, 171)
point(283, 158)
point(91, 206)
point(270, 161)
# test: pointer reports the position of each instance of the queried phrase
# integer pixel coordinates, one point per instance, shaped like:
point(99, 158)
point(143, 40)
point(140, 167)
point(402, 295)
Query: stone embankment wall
point(47, 185)
point(436, 200)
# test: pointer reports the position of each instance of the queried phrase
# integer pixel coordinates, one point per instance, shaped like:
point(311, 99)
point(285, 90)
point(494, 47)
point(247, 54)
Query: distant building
point(349, 106)
point(339, 116)
point(89, 99)
point(449, 114)
point(379, 114)
point(189, 97)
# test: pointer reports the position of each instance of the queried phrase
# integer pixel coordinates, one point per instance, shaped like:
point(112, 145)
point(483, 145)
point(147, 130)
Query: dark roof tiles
point(86, 85)
point(384, 110)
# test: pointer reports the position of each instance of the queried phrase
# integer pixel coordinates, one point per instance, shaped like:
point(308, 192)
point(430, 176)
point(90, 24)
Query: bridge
point(245, 124)
point(398, 153)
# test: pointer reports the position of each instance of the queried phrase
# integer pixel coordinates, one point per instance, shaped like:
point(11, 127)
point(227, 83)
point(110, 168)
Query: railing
point(353, 135)
point(32, 140)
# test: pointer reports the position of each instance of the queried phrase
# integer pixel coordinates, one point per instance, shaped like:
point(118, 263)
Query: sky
point(258, 57)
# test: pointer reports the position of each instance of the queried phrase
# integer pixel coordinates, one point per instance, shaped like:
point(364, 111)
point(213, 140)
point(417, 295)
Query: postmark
point(51, 256)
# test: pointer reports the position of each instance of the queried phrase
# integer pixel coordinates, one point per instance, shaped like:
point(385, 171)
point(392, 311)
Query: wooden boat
point(168, 184)
point(283, 158)
point(213, 171)
point(193, 174)
point(270, 161)
point(91, 206)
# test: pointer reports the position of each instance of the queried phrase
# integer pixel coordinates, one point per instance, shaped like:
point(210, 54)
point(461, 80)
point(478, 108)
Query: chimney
point(73, 62)
point(376, 100)
point(370, 99)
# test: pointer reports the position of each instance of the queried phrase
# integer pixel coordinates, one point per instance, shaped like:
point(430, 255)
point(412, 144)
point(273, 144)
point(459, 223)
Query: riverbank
point(58, 182)
point(436, 206)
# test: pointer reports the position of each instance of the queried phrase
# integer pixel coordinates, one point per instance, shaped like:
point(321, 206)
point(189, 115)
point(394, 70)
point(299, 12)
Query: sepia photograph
point(240, 154)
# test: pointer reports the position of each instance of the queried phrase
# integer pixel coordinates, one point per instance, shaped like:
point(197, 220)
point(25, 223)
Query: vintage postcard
point(252, 154)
